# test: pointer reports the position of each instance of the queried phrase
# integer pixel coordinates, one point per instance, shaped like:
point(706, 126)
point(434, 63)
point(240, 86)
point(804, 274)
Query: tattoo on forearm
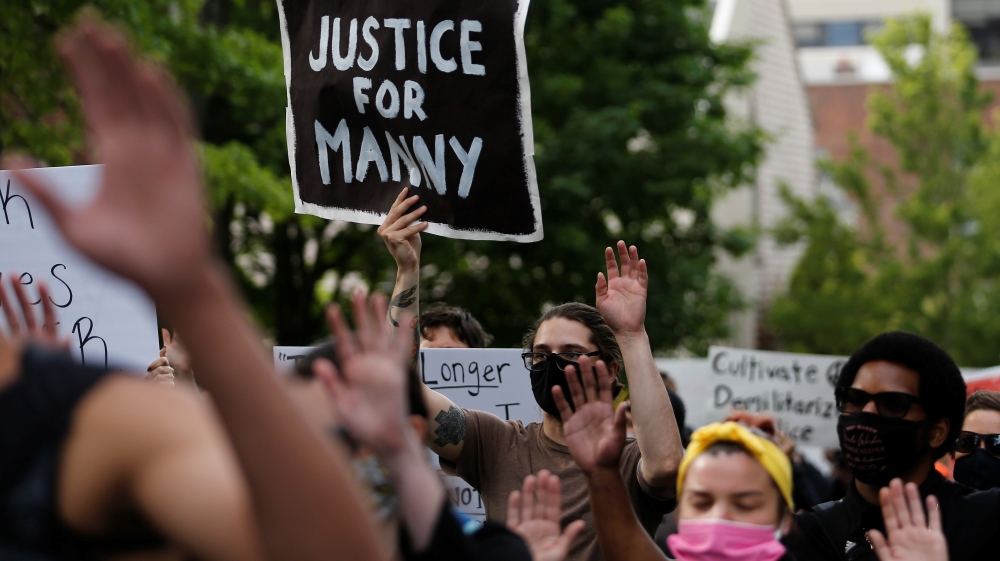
point(404, 299)
point(451, 429)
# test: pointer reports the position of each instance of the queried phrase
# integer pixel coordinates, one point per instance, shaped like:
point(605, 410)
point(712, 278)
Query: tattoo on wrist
point(404, 299)
point(451, 429)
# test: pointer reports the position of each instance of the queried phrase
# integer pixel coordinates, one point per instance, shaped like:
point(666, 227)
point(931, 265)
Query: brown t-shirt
point(498, 455)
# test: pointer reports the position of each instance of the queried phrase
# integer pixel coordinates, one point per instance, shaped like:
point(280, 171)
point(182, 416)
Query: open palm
point(148, 221)
point(912, 537)
point(595, 432)
point(534, 513)
point(621, 296)
point(370, 388)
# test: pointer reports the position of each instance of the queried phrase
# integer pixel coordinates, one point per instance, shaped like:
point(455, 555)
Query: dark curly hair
point(463, 326)
point(941, 387)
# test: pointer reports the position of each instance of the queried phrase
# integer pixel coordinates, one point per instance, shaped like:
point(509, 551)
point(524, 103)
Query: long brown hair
point(600, 333)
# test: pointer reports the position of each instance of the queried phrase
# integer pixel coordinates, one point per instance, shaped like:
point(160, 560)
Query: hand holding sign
point(151, 188)
point(595, 432)
point(433, 95)
point(621, 297)
point(369, 388)
point(401, 232)
point(534, 514)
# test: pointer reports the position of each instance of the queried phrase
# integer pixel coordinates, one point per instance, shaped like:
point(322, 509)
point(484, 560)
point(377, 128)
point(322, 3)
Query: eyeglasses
point(536, 362)
point(967, 442)
point(888, 404)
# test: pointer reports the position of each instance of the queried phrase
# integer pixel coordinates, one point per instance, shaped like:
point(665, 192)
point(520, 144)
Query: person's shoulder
point(963, 496)
point(492, 428)
point(630, 454)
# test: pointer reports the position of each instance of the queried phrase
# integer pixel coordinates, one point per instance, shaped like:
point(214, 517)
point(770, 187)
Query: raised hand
point(595, 432)
point(369, 387)
point(533, 513)
point(401, 231)
point(911, 536)
point(621, 297)
point(25, 324)
point(149, 221)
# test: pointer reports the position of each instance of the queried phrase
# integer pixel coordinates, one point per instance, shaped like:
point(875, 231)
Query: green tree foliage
point(632, 142)
point(940, 277)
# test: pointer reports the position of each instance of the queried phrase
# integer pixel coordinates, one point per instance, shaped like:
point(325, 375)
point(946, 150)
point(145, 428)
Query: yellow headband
point(761, 449)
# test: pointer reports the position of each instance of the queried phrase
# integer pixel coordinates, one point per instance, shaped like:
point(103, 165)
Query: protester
point(811, 486)
point(368, 383)
point(901, 399)
point(977, 450)
point(449, 327)
point(147, 224)
point(735, 489)
point(93, 463)
point(495, 456)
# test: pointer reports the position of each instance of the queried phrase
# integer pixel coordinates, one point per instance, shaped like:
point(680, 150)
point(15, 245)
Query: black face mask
point(542, 382)
point(979, 470)
point(878, 449)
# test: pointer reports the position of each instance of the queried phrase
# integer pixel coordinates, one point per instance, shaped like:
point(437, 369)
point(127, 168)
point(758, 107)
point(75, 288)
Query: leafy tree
point(939, 277)
point(632, 142)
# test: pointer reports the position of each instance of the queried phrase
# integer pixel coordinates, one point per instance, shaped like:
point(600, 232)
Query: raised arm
point(595, 434)
point(148, 223)
point(621, 298)
point(370, 393)
point(401, 233)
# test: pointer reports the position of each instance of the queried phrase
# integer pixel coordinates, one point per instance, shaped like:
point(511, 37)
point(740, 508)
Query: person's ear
point(939, 432)
point(612, 369)
point(786, 522)
point(419, 425)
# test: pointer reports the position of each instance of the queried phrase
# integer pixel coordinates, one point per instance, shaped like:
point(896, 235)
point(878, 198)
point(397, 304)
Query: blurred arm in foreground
point(148, 224)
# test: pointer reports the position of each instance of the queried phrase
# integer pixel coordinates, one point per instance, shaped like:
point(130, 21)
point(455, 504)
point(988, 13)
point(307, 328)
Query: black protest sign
point(433, 95)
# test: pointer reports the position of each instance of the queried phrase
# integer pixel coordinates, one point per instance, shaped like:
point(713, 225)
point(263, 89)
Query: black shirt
point(492, 542)
point(837, 530)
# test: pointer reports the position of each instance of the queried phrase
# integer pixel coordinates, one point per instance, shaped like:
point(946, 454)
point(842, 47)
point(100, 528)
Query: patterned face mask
point(375, 479)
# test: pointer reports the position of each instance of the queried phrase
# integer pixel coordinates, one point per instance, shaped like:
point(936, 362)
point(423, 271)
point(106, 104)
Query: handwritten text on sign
point(432, 95)
point(796, 388)
point(110, 321)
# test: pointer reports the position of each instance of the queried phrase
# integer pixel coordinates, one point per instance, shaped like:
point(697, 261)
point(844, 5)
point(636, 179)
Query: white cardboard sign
point(796, 388)
point(110, 320)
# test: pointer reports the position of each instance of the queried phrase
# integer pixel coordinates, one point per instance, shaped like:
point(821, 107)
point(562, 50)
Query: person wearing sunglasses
point(977, 450)
point(901, 400)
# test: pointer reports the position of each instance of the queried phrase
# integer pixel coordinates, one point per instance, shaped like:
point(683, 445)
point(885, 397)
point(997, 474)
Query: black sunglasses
point(967, 442)
point(536, 362)
point(888, 404)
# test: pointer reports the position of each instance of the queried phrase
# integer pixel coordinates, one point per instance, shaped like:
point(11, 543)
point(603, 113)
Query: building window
point(834, 34)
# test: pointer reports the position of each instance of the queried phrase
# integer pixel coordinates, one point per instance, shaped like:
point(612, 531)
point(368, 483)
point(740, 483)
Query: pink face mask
point(723, 540)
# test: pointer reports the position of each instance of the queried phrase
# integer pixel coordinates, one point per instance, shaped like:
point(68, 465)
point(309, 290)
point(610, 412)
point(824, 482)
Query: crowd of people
point(209, 455)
